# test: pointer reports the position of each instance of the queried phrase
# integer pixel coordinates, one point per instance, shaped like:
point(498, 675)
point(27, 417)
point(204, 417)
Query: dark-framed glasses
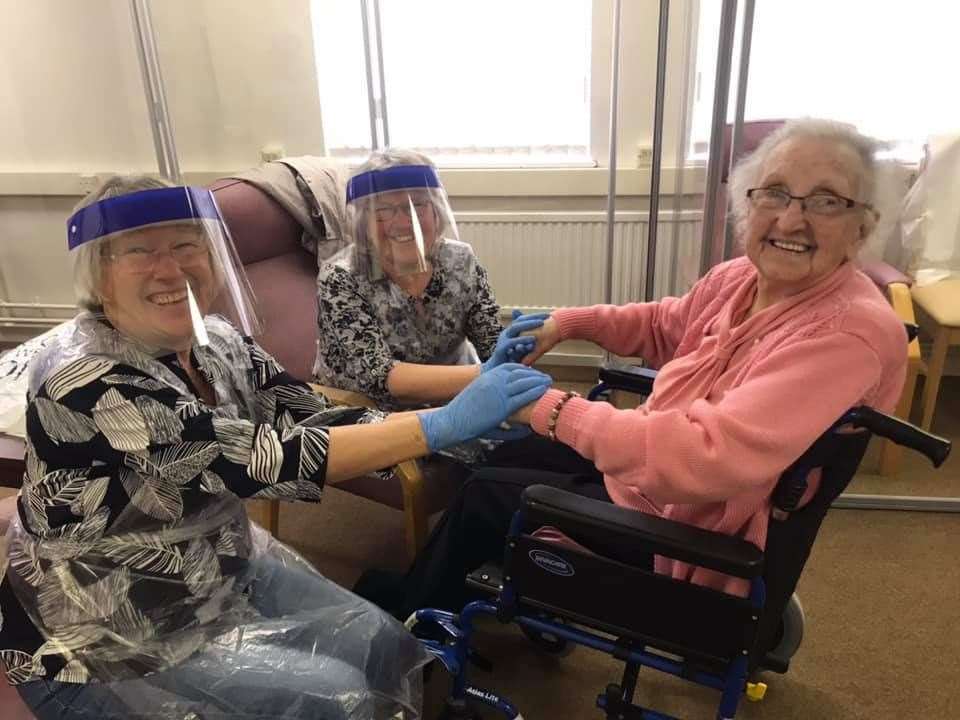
point(143, 258)
point(818, 203)
point(386, 213)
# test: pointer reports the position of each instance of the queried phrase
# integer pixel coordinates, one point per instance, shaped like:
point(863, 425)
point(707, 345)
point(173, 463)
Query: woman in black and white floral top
point(406, 312)
point(136, 587)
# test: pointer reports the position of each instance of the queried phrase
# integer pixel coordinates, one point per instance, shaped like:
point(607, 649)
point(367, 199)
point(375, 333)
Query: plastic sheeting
point(291, 644)
point(203, 616)
point(14, 373)
point(930, 220)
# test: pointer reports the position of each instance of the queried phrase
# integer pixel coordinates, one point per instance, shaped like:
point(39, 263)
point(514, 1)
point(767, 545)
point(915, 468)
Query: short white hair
point(746, 173)
point(87, 259)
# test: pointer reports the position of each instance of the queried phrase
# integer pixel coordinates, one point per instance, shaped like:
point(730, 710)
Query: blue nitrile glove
point(485, 403)
point(510, 346)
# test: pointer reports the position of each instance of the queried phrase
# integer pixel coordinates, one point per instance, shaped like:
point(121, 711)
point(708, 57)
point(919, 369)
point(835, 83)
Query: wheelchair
point(592, 592)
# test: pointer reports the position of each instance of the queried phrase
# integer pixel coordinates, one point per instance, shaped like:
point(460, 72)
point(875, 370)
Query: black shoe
point(383, 588)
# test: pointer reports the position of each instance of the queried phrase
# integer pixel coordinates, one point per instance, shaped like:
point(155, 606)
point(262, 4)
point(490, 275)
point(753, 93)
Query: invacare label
point(551, 563)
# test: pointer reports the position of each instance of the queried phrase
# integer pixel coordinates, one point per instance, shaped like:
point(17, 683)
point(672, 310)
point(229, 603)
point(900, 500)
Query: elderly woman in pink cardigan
point(756, 361)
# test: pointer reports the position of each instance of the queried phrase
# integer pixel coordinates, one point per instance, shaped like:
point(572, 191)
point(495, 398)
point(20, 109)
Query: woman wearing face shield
point(405, 312)
point(136, 587)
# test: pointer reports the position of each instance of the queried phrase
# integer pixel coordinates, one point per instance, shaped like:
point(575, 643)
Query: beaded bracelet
point(555, 413)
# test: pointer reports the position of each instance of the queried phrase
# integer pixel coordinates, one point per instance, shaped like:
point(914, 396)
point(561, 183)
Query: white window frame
point(589, 178)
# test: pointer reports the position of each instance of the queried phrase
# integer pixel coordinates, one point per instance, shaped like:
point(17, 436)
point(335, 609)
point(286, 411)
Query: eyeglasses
point(820, 203)
point(386, 213)
point(142, 259)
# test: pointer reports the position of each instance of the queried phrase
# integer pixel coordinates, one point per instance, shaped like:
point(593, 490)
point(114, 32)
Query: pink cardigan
point(734, 402)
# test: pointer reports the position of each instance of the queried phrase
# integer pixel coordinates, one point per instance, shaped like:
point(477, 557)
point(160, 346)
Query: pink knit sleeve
point(718, 449)
point(648, 330)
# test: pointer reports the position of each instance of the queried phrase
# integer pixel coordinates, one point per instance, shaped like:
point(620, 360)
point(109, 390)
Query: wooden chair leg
point(266, 514)
point(274, 526)
point(890, 452)
point(931, 385)
point(414, 507)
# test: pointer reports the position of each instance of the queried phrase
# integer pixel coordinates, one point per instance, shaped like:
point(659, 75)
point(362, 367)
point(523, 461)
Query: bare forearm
point(359, 449)
point(429, 383)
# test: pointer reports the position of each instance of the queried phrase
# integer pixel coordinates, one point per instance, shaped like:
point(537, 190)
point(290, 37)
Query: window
point(469, 82)
point(886, 68)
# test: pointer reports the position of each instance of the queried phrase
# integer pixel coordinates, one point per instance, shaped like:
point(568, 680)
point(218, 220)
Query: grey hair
point(359, 220)
point(746, 173)
point(86, 258)
point(392, 157)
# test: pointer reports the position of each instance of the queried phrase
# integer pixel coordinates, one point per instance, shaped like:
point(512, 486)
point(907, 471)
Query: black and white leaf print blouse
point(131, 544)
point(366, 326)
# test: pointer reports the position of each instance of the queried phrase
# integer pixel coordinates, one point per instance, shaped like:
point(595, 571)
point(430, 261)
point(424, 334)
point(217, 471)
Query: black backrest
point(631, 601)
point(790, 539)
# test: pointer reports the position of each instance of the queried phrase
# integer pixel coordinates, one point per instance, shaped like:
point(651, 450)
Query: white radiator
point(549, 259)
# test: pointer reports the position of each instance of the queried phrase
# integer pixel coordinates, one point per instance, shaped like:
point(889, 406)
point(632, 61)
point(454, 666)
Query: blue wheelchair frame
point(759, 613)
point(616, 701)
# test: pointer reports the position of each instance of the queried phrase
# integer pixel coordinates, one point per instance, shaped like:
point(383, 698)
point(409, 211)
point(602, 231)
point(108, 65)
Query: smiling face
point(791, 249)
point(392, 225)
point(144, 283)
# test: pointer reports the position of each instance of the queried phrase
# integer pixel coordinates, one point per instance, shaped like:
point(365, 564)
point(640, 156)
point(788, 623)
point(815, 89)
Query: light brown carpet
point(881, 593)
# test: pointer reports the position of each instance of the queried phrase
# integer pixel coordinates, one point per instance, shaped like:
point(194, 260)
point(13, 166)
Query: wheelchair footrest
point(487, 578)
point(614, 706)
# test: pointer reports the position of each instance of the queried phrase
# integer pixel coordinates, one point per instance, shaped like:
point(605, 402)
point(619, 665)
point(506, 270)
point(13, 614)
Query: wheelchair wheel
point(791, 629)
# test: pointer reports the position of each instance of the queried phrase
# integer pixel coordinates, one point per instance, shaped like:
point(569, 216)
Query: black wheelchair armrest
point(628, 377)
point(687, 543)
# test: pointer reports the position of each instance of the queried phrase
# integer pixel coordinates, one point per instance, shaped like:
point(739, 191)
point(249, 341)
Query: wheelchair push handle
point(901, 432)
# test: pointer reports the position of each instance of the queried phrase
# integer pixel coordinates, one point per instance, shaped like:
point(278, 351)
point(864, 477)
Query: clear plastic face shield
point(165, 260)
point(399, 217)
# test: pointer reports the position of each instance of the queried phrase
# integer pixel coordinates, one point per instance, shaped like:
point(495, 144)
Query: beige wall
point(240, 75)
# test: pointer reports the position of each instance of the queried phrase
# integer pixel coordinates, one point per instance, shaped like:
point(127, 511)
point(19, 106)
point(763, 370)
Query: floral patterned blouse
point(131, 543)
point(366, 326)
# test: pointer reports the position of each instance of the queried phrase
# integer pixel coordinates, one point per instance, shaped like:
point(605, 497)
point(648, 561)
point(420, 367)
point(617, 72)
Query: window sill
point(562, 182)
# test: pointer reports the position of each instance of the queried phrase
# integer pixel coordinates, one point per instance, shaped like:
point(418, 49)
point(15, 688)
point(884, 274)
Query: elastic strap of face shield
point(138, 209)
point(400, 177)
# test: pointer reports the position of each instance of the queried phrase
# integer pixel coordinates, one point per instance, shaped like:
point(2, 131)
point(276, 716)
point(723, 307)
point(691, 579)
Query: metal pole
point(683, 145)
point(746, 37)
point(654, 214)
point(728, 19)
point(383, 80)
point(367, 60)
point(854, 501)
point(163, 142)
point(612, 187)
point(35, 306)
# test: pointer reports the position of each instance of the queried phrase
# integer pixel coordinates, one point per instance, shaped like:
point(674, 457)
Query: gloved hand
point(481, 406)
point(510, 346)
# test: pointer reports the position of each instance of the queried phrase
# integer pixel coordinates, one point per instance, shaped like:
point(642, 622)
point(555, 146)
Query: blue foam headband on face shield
point(137, 209)
point(394, 178)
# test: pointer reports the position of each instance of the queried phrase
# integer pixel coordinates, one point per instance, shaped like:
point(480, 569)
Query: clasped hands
point(504, 390)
